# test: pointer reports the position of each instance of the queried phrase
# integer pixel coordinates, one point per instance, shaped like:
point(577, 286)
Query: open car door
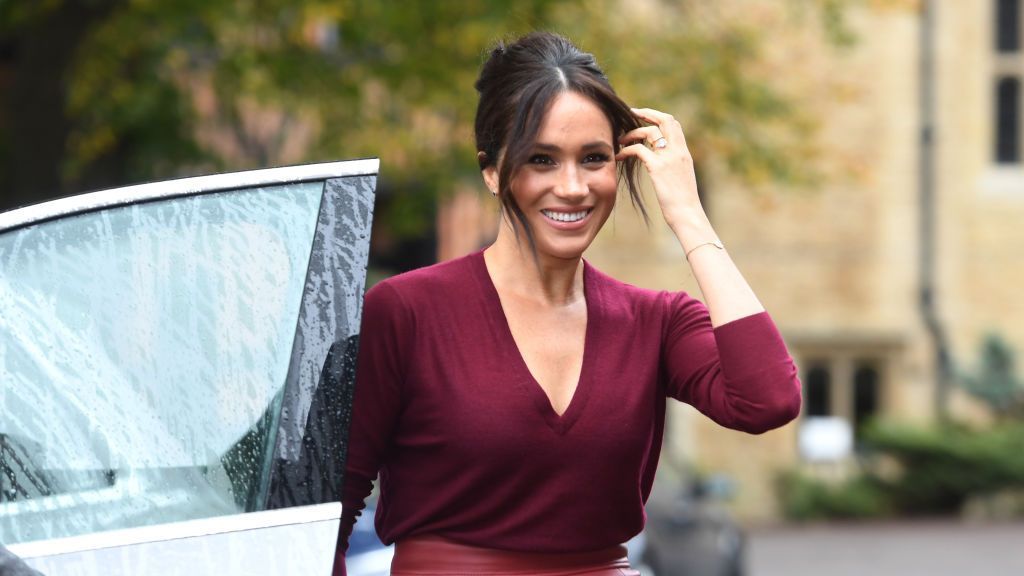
point(176, 371)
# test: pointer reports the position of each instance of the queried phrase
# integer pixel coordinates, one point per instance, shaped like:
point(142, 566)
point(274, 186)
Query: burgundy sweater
point(467, 444)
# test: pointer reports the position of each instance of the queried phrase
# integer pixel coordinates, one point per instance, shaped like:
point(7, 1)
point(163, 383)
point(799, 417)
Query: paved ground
point(904, 549)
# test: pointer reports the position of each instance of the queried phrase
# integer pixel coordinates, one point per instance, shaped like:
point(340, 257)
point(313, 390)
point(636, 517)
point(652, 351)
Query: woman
point(513, 400)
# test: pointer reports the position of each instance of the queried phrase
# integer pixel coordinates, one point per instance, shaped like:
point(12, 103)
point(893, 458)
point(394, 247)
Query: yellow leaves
point(914, 5)
point(93, 145)
point(331, 11)
point(85, 147)
point(394, 79)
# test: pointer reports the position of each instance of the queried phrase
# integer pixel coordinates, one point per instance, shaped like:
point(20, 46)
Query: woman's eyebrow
point(595, 145)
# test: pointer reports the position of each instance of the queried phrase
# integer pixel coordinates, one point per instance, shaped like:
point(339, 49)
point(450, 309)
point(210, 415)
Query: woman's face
point(568, 185)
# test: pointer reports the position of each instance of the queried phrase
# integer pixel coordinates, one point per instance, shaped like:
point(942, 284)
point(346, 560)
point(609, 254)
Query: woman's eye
point(595, 158)
point(542, 159)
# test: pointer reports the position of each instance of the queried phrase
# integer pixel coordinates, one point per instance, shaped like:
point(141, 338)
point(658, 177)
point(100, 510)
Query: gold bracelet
point(716, 243)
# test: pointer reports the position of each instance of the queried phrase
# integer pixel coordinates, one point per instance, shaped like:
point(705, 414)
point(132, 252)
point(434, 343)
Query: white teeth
point(566, 216)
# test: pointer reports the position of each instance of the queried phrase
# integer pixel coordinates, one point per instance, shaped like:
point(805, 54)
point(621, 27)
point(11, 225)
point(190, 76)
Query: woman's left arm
point(733, 366)
point(670, 165)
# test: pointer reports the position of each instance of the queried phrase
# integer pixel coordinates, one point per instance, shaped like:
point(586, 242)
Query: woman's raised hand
point(669, 163)
point(726, 293)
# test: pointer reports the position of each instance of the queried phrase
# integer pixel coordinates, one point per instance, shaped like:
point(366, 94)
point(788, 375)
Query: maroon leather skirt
point(434, 555)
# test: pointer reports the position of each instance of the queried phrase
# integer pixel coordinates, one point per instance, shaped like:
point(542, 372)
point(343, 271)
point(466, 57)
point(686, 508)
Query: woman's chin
point(563, 250)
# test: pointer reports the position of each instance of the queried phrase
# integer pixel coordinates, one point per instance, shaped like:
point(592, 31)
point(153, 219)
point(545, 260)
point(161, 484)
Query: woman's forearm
point(726, 293)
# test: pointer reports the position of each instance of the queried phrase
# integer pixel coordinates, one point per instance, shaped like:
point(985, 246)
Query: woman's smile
point(560, 218)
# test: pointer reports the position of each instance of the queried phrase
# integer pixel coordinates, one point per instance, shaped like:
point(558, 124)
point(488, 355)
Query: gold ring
point(660, 143)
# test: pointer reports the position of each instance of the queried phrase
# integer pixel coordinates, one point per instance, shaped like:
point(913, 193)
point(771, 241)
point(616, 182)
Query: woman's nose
point(571, 185)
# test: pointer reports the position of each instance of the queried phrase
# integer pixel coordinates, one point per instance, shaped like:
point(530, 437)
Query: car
point(176, 371)
point(367, 555)
point(689, 531)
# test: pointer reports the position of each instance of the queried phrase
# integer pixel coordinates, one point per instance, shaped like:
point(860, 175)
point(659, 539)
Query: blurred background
point(861, 160)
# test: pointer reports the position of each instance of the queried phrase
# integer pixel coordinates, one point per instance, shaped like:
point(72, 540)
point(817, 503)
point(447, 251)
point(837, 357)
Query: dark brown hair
point(517, 86)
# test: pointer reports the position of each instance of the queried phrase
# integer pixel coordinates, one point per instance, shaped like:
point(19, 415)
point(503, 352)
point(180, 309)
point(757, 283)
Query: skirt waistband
point(435, 555)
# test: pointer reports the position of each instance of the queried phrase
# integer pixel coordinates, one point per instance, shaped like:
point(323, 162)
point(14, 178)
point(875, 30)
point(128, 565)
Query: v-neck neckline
point(560, 423)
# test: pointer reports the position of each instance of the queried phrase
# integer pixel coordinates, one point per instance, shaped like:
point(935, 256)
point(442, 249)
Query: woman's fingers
point(645, 154)
point(644, 134)
point(669, 126)
point(668, 161)
point(653, 116)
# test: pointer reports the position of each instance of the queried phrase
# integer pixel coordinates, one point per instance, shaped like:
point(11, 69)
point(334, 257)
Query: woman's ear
point(491, 179)
point(490, 174)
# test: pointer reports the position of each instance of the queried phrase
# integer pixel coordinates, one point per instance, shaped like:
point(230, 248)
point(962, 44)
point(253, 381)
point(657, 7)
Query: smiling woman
point(513, 401)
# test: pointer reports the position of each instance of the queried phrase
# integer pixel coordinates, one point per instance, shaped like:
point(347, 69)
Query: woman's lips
point(566, 219)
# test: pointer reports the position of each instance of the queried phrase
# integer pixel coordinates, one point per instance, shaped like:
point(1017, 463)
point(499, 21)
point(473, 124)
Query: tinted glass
point(865, 394)
point(1008, 120)
point(143, 351)
point(818, 391)
point(1007, 25)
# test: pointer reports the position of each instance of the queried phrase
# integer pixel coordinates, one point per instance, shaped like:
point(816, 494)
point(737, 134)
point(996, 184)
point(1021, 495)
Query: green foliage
point(915, 471)
point(805, 498)
point(123, 100)
point(942, 467)
point(15, 14)
point(995, 381)
point(159, 89)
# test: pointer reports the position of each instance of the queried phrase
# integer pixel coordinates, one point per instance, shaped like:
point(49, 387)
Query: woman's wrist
point(692, 228)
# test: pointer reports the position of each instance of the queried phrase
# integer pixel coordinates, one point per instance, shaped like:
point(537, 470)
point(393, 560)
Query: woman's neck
point(515, 270)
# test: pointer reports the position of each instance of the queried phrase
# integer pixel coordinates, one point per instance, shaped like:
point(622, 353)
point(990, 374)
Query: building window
point(846, 386)
point(1007, 28)
point(1009, 67)
point(865, 394)
point(1007, 120)
point(818, 390)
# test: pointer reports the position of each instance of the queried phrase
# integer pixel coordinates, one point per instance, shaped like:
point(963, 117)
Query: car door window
point(144, 351)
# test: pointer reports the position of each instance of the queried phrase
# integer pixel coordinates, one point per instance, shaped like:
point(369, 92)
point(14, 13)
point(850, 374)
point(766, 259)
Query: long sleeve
point(384, 337)
point(740, 374)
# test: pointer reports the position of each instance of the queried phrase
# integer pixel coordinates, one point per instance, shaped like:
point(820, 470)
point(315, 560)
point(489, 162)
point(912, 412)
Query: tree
point(107, 92)
point(995, 381)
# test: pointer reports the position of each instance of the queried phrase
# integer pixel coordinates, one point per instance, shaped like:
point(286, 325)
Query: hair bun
point(499, 50)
